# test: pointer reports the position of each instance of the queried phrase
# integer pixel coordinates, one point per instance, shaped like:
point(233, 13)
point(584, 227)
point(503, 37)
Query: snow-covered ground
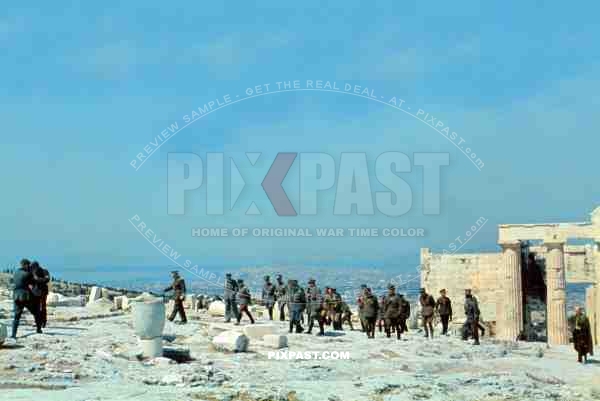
point(96, 359)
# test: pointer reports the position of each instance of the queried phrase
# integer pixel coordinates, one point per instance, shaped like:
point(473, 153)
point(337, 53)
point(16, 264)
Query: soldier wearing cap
point(360, 304)
point(315, 306)
point(243, 298)
point(297, 302)
point(444, 309)
point(404, 313)
point(268, 296)
point(427, 311)
point(472, 313)
point(392, 310)
point(280, 296)
point(229, 298)
point(370, 312)
point(178, 288)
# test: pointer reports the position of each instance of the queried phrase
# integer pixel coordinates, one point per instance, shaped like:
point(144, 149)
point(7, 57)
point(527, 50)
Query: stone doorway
point(534, 292)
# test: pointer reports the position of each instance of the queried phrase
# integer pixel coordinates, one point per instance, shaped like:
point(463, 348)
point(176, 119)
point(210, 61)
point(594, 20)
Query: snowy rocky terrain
point(92, 353)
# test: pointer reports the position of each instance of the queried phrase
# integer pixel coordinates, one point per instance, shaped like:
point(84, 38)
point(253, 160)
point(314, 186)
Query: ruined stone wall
point(455, 272)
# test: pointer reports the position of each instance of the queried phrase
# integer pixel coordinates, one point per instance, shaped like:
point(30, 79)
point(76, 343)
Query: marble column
point(557, 294)
point(512, 302)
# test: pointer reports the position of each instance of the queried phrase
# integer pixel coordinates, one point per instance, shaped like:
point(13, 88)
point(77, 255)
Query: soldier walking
point(472, 313)
point(297, 302)
point(404, 313)
point(178, 287)
point(582, 336)
point(444, 309)
point(427, 310)
point(315, 306)
point(280, 296)
point(23, 297)
point(268, 296)
point(360, 304)
point(347, 315)
point(231, 289)
point(392, 312)
point(243, 298)
point(41, 278)
point(380, 316)
point(371, 307)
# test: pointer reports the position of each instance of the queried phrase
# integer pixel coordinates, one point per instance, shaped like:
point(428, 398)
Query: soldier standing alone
point(178, 287)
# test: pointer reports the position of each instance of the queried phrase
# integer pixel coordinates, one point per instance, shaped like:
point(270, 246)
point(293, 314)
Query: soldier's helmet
point(228, 275)
point(443, 291)
point(267, 278)
point(311, 281)
point(25, 263)
point(175, 273)
point(279, 276)
point(391, 287)
point(363, 286)
point(240, 281)
point(422, 290)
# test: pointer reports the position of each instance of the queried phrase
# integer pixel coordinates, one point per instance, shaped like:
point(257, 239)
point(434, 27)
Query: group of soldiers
point(30, 291)
point(327, 308)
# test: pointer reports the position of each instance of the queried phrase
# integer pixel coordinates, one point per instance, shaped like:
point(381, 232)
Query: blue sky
point(86, 87)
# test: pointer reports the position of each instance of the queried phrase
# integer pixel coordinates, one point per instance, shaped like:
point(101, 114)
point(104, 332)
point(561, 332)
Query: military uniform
point(472, 323)
point(582, 337)
point(360, 304)
point(280, 297)
point(427, 311)
point(41, 278)
point(380, 316)
point(444, 309)
point(231, 288)
point(392, 312)
point(370, 313)
point(23, 298)
point(314, 308)
point(244, 298)
point(297, 300)
point(404, 313)
point(347, 315)
point(268, 296)
point(178, 287)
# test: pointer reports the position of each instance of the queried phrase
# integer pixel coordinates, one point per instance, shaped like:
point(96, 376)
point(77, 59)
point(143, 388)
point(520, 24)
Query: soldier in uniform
point(472, 312)
point(178, 287)
point(41, 278)
point(280, 296)
point(314, 300)
point(338, 310)
point(404, 313)
point(359, 301)
point(243, 298)
point(23, 297)
point(427, 311)
point(297, 302)
point(370, 310)
point(380, 317)
point(268, 296)
point(231, 288)
point(392, 312)
point(582, 336)
point(347, 315)
point(444, 309)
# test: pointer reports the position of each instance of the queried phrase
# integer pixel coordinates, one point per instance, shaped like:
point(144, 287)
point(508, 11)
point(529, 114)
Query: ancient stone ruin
point(526, 281)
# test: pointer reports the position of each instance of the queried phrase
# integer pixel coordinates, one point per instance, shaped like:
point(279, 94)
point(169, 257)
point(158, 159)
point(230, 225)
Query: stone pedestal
point(557, 294)
point(151, 348)
point(511, 309)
